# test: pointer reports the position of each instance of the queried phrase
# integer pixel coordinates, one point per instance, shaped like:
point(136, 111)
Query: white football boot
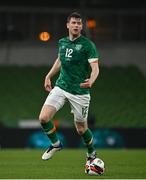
point(51, 150)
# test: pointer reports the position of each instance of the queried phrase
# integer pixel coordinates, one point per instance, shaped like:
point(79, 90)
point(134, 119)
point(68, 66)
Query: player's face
point(75, 26)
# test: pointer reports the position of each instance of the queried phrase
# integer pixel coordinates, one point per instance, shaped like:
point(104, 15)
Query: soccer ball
point(95, 167)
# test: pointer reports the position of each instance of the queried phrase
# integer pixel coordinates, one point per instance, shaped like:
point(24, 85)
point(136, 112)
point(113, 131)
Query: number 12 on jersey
point(68, 52)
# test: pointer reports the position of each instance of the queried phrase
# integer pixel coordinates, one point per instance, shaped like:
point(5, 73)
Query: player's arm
point(93, 76)
point(53, 71)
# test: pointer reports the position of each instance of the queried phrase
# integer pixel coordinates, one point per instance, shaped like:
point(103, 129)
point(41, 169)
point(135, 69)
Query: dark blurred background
point(29, 32)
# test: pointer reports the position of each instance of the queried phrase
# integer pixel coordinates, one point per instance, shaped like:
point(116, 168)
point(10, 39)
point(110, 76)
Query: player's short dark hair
point(74, 15)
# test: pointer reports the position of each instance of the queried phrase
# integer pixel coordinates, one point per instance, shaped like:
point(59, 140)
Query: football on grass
point(95, 167)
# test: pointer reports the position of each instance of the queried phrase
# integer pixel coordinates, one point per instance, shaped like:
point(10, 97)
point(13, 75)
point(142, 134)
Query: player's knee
point(43, 118)
point(80, 130)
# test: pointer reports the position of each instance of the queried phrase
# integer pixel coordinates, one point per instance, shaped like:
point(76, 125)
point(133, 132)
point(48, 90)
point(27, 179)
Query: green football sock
point(50, 131)
point(88, 140)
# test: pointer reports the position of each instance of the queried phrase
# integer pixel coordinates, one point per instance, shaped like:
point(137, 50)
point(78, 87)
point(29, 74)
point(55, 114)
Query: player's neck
point(73, 37)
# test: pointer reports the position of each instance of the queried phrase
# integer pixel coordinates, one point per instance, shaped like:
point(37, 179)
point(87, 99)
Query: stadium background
point(117, 113)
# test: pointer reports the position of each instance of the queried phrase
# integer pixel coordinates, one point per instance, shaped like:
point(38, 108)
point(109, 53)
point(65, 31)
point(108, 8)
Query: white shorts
point(79, 103)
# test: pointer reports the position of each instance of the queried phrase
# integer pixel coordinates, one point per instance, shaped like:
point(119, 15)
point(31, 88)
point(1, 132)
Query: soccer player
point(77, 62)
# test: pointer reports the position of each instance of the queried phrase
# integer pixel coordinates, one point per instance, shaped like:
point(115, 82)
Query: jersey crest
point(78, 47)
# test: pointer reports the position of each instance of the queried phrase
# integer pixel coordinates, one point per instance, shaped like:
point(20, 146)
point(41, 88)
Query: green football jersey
point(75, 57)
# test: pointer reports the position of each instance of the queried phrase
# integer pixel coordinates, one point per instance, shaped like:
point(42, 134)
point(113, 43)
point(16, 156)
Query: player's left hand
point(86, 84)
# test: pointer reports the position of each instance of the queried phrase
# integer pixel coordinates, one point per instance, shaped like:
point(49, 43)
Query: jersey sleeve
point(93, 54)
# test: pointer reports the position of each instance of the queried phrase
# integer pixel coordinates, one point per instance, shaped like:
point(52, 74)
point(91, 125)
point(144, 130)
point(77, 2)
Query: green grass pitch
point(69, 164)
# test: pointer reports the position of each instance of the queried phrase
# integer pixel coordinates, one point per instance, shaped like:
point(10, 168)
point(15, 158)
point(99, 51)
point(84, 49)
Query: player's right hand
point(86, 84)
point(47, 84)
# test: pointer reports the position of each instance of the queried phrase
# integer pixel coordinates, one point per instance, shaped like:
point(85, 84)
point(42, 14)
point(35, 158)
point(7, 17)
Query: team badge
point(78, 47)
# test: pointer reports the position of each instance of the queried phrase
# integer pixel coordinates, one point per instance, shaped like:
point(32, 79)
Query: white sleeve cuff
point(92, 60)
